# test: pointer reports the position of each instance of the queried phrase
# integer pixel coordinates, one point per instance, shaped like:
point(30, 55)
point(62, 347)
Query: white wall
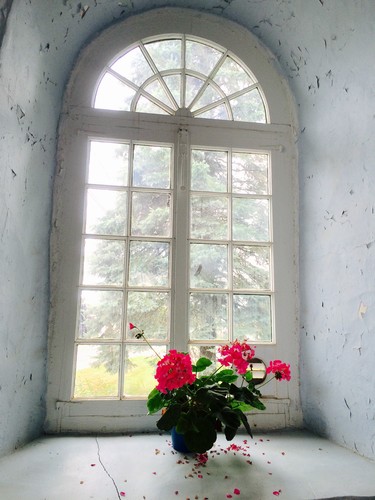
point(325, 49)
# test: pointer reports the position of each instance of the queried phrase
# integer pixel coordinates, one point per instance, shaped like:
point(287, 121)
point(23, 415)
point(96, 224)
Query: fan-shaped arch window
point(174, 210)
point(180, 72)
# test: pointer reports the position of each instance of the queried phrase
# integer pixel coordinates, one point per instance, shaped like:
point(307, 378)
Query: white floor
point(289, 465)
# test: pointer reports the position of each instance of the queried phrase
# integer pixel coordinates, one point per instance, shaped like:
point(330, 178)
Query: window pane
point(208, 319)
point(100, 314)
point(218, 113)
point(231, 77)
point(201, 57)
point(174, 84)
point(204, 351)
point(250, 173)
point(157, 91)
point(144, 105)
point(166, 54)
point(151, 214)
point(193, 85)
point(252, 318)
point(149, 264)
point(208, 266)
point(150, 310)
point(250, 219)
point(133, 66)
point(251, 267)
point(113, 94)
point(209, 217)
point(209, 170)
point(209, 96)
point(108, 163)
point(106, 212)
point(152, 166)
point(139, 369)
point(97, 371)
point(103, 262)
point(249, 107)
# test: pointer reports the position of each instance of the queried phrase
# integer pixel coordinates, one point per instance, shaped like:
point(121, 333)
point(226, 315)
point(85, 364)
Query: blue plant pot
point(178, 442)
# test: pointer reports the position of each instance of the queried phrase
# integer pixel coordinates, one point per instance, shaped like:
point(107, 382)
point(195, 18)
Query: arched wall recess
point(83, 124)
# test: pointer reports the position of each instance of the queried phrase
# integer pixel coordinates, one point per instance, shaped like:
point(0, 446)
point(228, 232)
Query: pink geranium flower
point(280, 369)
point(173, 371)
point(238, 354)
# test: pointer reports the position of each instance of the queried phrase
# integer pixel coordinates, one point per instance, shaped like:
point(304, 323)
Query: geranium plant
point(198, 405)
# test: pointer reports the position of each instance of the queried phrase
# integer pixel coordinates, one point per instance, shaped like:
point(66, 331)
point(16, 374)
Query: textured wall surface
point(325, 50)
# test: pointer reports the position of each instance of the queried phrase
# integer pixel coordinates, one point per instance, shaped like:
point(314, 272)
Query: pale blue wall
point(325, 50)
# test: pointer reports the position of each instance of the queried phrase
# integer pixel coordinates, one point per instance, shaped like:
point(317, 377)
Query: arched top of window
point(180, 74)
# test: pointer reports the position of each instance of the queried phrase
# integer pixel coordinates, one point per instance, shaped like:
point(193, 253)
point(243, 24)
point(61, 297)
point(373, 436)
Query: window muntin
point(126, 266)
point(181, 72)
point(128, 257)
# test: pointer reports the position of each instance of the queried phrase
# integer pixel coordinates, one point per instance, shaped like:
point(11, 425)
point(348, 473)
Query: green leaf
point(229, 417)
point(170, 418)
point(227, 376)
point(201, 365)
point(184, 423)
point(230, 432)
point(213, 399)
point(248, 376)
point(245, 422)
point(155, 401)
point(203, 437)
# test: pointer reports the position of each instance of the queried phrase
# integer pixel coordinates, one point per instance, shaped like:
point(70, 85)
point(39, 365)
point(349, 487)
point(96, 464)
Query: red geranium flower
point(173, 371)
point(280, 369)
point(237, 354)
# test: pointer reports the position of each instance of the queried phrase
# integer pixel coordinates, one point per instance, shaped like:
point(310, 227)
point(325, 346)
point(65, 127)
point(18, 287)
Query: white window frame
point(80, 121)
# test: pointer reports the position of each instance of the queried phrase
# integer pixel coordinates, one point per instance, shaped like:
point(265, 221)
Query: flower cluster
point(237, 354)
point(198, 405)
point(173, 371)
point(280, 369)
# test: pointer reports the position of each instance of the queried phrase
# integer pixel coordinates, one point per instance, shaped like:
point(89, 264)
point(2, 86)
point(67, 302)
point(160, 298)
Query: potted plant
point(199, 400)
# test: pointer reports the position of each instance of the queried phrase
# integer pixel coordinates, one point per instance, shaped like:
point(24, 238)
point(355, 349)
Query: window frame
point(79, 122)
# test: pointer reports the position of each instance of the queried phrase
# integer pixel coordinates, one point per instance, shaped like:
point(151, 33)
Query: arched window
point(173, 211)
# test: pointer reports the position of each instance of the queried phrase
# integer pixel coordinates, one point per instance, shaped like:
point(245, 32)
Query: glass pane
point(152, 166)
point(208, 316)
point(151, 214)
point(250, 219)
point(209, 96)
point(139, 369)
point(251, 267)
point(113, 94)
point(173, 82)
point(231, 77)
point(252, 318)
point(103, 262)
point(217, 113)
point(144, 105)
point(149, 311)
point(157, 91)
point(166, 54)
point(204, 351)
point(97, 371)
point(193, 86)
point(208, 266)
point(209, 171)
point(201, 57)
point(100, 314)
point(250, 173)
point(149, 263)
point(249, 107)
point(108, 163)
point(209, 217)
point(133, 66)
point(106, 212)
